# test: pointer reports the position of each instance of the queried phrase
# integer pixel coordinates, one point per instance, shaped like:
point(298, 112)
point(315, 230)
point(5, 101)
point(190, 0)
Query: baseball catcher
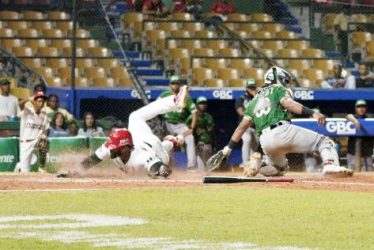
point(269, 110)
point(138, 147)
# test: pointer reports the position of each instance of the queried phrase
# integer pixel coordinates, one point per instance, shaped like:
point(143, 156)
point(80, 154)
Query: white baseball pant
point(204, 152)
point(289, 138)
point(26, 152)
point(180, 128)
point(248, 146)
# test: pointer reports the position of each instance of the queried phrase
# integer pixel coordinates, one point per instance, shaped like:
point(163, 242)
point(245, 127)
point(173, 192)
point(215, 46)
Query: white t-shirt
point(9, 106)
point(32, 125)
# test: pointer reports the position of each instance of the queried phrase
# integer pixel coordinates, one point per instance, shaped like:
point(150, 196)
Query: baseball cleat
point(334, 170)
point(182, 97)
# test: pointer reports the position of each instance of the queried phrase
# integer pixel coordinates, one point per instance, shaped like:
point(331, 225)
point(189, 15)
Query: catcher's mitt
point(43, 147)
point(216, 161)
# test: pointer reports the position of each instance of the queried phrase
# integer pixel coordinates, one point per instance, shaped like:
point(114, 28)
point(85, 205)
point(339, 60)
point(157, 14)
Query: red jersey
point(223, 8)
point(179, 5)
point(151, 6)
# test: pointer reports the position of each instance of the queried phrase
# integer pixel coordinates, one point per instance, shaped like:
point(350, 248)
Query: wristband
point(307, 111)
point(232, 144)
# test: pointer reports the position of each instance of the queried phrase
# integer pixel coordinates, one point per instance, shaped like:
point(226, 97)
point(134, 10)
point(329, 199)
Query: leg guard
point(326, 148)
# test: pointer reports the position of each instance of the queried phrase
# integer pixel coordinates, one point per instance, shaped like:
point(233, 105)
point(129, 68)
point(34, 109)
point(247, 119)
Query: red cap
point(118, 138)
point(39, 94)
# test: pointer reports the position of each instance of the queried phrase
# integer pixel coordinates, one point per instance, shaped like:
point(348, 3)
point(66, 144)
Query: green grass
point(266, 217)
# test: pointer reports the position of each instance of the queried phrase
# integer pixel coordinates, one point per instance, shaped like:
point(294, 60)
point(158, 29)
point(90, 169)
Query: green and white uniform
point(175, 125)
point(203, 134)
point(277, 136)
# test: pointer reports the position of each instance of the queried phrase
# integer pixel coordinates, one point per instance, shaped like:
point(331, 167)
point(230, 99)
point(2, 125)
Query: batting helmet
point(277, 75)
point(118, 138)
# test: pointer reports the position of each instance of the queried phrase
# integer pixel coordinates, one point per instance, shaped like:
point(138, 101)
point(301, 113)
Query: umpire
point(249, 138)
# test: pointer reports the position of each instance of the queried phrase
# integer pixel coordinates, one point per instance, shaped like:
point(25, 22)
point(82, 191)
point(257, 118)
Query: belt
point(273, 126)
point(25, 141)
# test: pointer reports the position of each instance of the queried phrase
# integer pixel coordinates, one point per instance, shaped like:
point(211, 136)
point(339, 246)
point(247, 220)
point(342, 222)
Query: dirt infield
point(116, 180)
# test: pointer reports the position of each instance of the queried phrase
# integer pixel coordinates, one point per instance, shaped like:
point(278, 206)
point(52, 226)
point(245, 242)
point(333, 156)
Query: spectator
point(130, 4)
point(6, 68)
point(203, 133)
point(73, 128)
point(179, 5)
point(338, 81)
point(367, 143)
point(58, 126)
point(341, 24)
point(53, 107)
point(90, 129)
point(365, 78)
point(175, 121)
point(249, 138)
point(9, 108)
point(195, 7)
point(223, 7)
point(155, 8)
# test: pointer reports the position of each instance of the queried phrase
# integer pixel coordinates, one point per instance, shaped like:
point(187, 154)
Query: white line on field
point(341, 183)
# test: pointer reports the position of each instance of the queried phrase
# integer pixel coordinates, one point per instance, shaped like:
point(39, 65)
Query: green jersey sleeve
point(281, 92)
point(191, 105)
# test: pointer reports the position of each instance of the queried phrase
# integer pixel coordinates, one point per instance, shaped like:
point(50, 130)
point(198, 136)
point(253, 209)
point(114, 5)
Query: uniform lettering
point(34, 126)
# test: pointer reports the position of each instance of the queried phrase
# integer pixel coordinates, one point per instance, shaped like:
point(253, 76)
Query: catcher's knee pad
point(326, 148)
point(269, 170)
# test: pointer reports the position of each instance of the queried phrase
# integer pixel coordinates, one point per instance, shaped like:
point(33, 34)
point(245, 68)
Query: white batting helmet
point(277, 75)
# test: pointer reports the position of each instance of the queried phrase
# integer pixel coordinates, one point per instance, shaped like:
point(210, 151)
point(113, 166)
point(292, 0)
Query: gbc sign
point(304, 94)
point(135, 94)
point(223, 94)
point(341, 127)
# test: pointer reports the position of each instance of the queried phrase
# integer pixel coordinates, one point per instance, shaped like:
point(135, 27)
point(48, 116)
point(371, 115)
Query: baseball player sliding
point(138, 147)
point(269, 111)
point(33, 133)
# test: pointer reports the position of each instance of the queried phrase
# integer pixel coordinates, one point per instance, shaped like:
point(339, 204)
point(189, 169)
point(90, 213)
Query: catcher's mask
point(277, 75)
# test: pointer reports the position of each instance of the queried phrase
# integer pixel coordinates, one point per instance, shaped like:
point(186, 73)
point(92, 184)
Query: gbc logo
point(304, 94)
point(341, 128)
point(223, 94)
point(135, 94)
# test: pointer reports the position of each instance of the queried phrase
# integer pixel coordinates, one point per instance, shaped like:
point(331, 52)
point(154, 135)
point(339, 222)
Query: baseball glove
point(43, 147)
point(215, 161)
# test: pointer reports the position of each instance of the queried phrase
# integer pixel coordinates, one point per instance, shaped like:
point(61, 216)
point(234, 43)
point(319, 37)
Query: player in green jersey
point(270, 111)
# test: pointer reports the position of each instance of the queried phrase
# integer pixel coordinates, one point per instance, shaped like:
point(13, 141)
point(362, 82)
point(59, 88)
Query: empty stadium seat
point(27, 33)
point(261, 34)
point(175, 54)
point(44, 71)
point(272, 27)
point(33, 62)
point(325, 65)
point(82, 63)
point(5, 32)
point(119, 72)
point(316, 76)
point(242, 34)
point(299, 64)
point(56, 63)
point(42, 25)
point(99, 52)
point(80, 82)
point(54, 81)
point(285, 34)
point(9, 15)
point(229, 52)
point(94, 72)
point(215, 63)
point(81, 33)
point(193, 27)
point(329, 22)
point(108, 63)
point(168, 26)
point(236, 83)
point(104, 82)
point(57, 15)
point(254, 73)
point(260, 17)
point(22, 51)
point(290, 53)
point(133, 22)
point(201, 74)
point(47, 51)
point(64, 26)
point(312, 53)
point(237, 17)
point(9, 44)
point(370, 49)
point(240, 63)
point(180, 33)
point(65, 73)
point(214, 83)
point(33, 15)
point(87, 43)
point(204, 34)
point(203, 52)
point(228, 73)
point(52, 33)
point(249, 27)
point(61, 43)
point(125, 82)
point(191, 44)
point(359, 39)
point(298, 44)
point(16, 25)
point(183, 66)
point(216, 44)
point(274, 45)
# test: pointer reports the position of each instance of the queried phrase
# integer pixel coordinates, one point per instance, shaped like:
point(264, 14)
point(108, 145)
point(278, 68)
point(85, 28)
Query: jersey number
point(264, 107)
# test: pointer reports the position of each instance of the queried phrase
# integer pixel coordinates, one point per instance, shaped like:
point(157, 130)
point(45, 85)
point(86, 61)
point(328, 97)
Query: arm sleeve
point(102, 152)
point(280, 93)
point(191, 106)
point(239, 103)
point(18, 110)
